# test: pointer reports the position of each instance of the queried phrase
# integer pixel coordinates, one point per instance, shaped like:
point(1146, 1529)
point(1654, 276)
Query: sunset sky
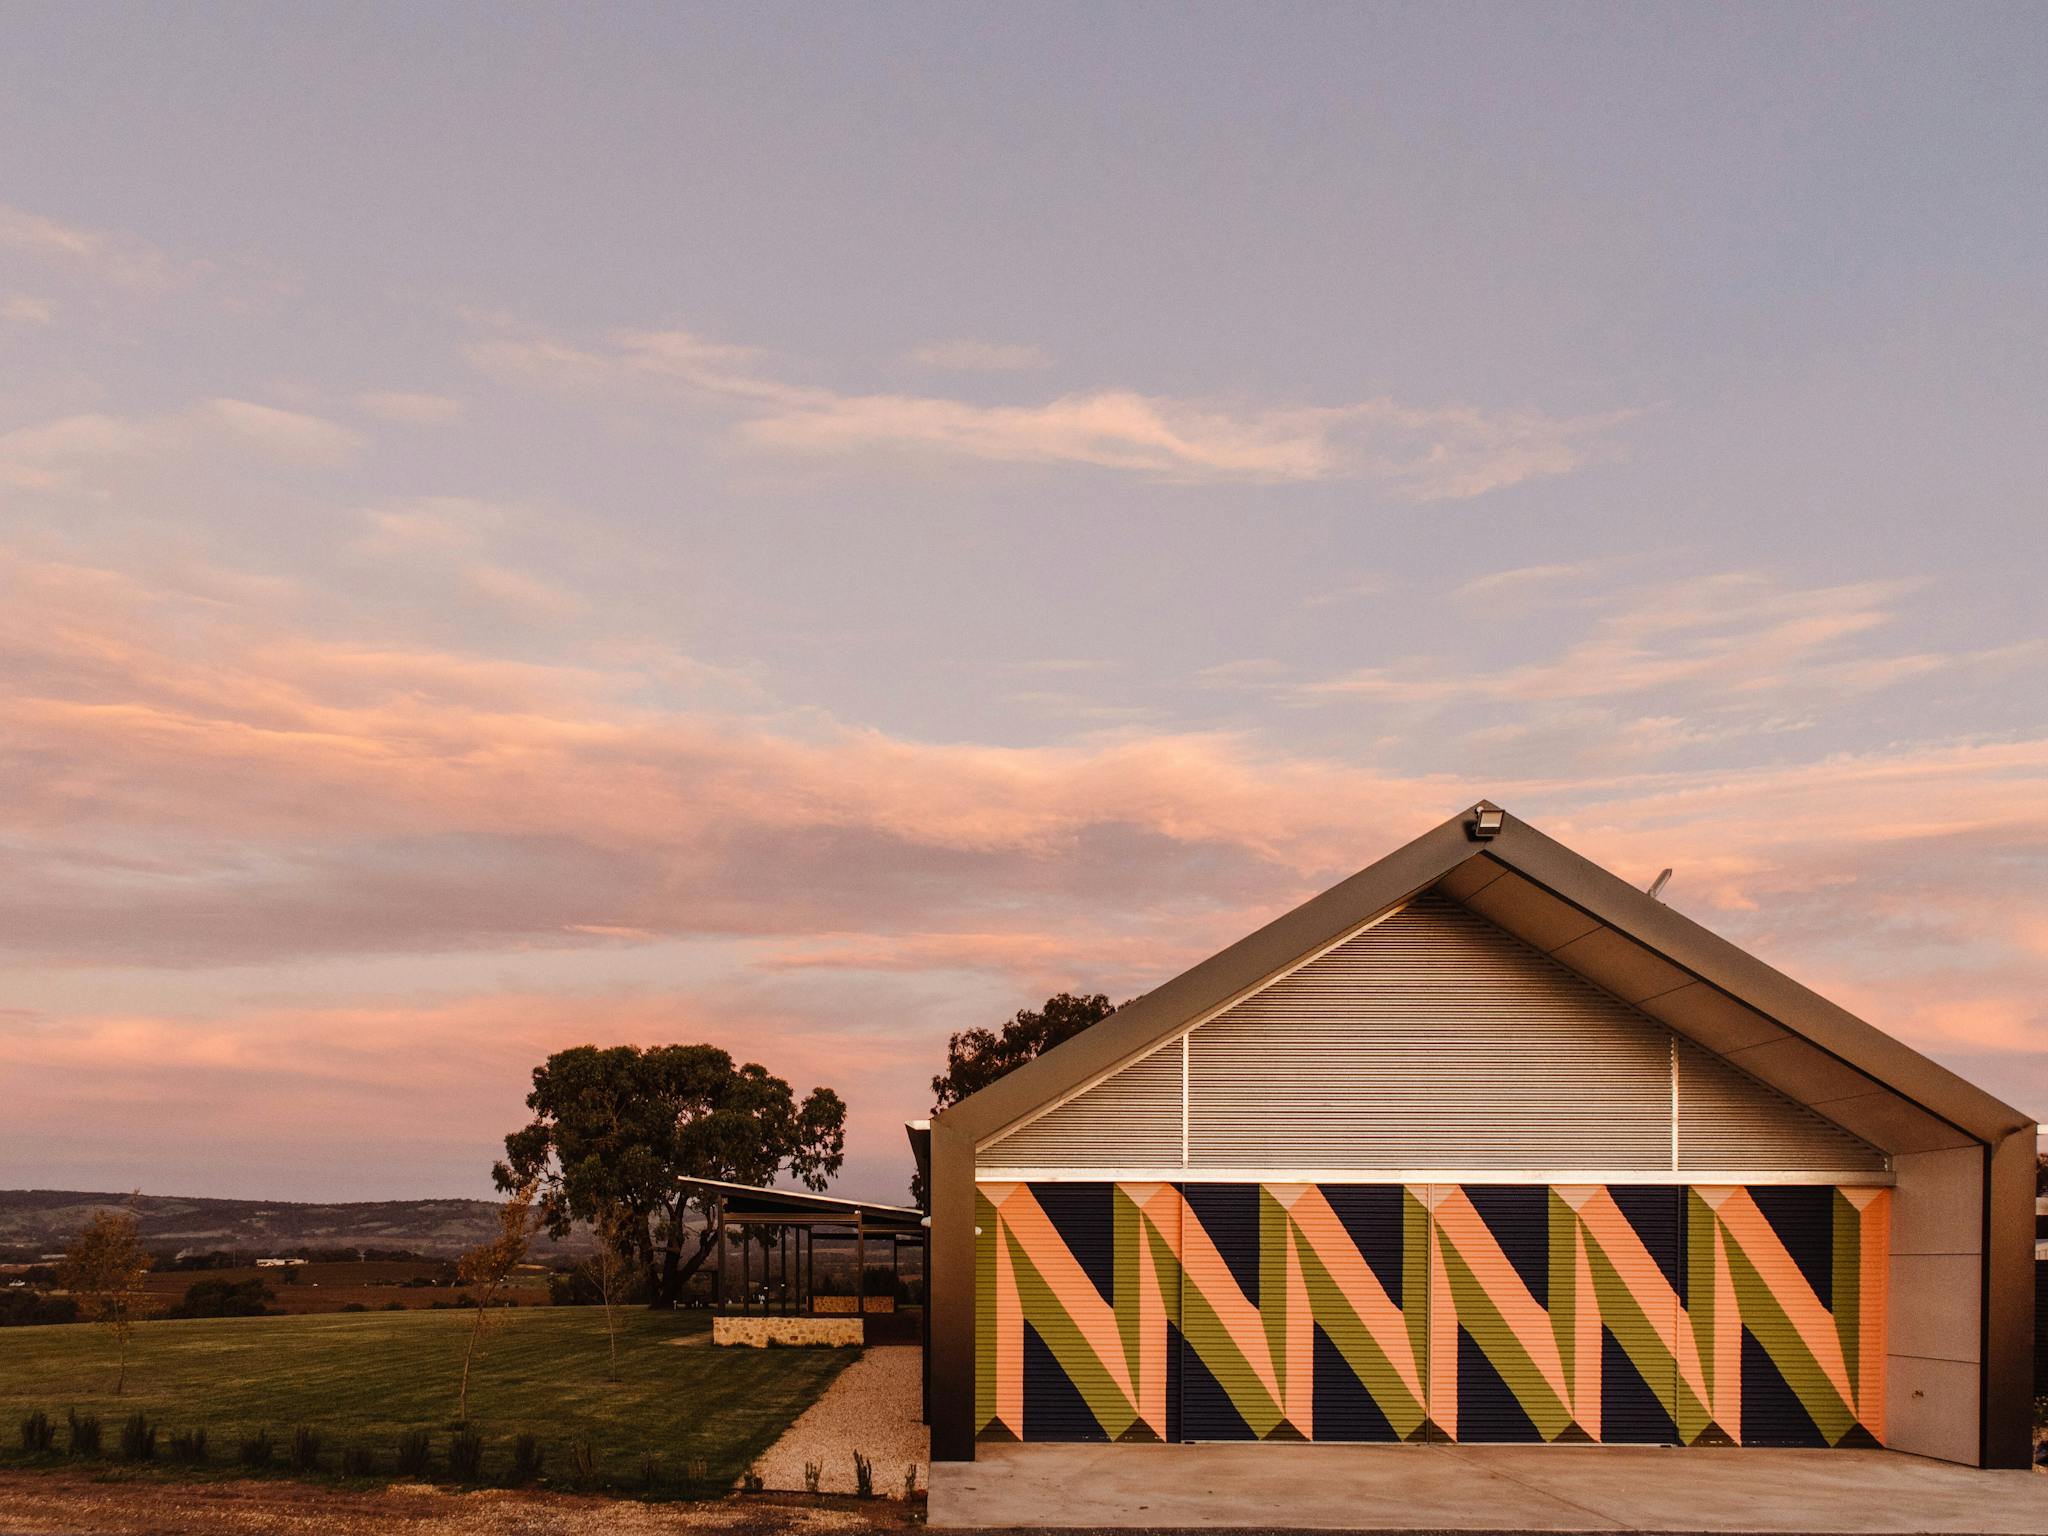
point(812, 528)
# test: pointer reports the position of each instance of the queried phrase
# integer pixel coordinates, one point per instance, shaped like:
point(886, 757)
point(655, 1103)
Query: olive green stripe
point(1622, 1314)
point(1273, 1225)
point(1042, 1309)
point(1126, 1255)
point(1331, 1307)
point(1701, 1229)
point(1564, 1280)
point(1415, 1222)
point(1213, 1345)
point(1772, 1327)
point(1479, 1316)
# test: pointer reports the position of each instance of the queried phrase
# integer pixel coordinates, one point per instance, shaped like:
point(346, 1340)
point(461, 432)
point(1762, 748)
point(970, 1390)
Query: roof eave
point(1284, 942)
point(1161, 1013)
point(1892, 1063)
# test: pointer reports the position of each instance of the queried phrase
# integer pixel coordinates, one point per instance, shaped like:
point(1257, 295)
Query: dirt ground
point(73, 1504)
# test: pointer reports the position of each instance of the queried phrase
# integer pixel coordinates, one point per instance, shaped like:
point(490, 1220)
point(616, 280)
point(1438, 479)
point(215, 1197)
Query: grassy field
point(362, 1378)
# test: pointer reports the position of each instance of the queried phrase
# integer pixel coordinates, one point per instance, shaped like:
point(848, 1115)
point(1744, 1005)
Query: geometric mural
point(1480, 1313)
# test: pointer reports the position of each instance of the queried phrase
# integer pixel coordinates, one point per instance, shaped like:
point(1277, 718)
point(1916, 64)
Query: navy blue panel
point(1084, 1215)
point(1630, 1413)
point(1803, 1216)
point(1656, 1211)
point(1518, 1216)
point(1229, 1213)
point(1372, 1217)
point(1053, 1406)
point(1344, 1410)
point(1175, 1344)
point(1488, 1412)
point(1206, 1411)
point(1771, 1411)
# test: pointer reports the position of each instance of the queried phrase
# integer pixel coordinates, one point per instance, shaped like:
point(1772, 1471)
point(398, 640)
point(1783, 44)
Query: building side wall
point(2008, 1385)
point(1933, 1359)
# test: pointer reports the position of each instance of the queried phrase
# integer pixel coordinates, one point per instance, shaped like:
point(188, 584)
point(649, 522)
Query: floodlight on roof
point(1485, 822)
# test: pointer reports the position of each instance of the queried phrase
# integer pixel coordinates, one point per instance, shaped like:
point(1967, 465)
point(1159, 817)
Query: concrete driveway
point(1410, 1488)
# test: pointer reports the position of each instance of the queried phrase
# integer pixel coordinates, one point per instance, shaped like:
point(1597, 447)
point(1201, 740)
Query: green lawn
point(362, 1378)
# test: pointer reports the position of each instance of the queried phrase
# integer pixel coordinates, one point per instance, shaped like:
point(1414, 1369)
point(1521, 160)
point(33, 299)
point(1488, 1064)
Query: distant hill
point(45, 1219)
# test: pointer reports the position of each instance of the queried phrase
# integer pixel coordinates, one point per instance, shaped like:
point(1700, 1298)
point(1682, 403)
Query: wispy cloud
point(65, 453)
point(1726, 636)
point(110, 256)
point(964, 355)
point(1420, 453)
point(455, 535)
point(1523, 579)
point(408, 407)
point(26, 309)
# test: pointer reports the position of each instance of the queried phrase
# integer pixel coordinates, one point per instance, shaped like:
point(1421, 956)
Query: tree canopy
point(613, 1129)
point(977, 1057)
point(103, 1268)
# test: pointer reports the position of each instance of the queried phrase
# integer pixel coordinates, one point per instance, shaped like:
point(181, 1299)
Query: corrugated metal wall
point(1433, 1040)
point(1430, 1041)
point(1129, 1120)
point(1591, 1313)
point(1728, 1122)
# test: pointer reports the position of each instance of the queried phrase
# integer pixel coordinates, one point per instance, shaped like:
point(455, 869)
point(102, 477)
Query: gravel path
point(873, 1407)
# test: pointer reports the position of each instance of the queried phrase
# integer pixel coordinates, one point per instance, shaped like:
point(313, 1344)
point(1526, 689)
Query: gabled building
point(1484, 1144)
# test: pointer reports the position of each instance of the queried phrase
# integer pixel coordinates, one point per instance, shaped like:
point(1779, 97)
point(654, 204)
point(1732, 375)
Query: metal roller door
point(1078, 1304)
point(1786, 1315)
point(1303, 1312)
point(1554, 1313)
point(1478, 1313)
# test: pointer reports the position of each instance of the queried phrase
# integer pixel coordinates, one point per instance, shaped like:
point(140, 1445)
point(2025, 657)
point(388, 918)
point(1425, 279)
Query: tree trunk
point(670, 1289)
point(676, 1270)
point(469, 1354)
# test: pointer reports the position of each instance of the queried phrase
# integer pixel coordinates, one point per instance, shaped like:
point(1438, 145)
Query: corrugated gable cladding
point(1431, 1040)
point(1448, 1024)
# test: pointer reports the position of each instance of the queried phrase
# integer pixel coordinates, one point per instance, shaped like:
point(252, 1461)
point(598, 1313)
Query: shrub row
point(413, 1455)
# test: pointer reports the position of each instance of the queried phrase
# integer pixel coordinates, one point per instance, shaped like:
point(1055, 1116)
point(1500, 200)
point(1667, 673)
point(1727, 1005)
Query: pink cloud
point(1421, 453)
point(193, 780)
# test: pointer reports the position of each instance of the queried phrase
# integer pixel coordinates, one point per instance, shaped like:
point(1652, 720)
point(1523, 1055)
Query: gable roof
point(1618, 938)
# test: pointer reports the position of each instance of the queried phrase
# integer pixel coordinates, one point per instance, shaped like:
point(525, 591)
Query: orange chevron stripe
point(1810, 1316)
point(1203, 1265)
point(1009, 1322)
point(1635, 1264)
point(1152, 1314)
point(1093, 1318)
point(1382, 1317)
point(1502, 1284)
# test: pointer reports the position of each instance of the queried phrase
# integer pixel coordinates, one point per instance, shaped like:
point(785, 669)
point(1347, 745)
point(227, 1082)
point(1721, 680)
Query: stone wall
point(760, 1332)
